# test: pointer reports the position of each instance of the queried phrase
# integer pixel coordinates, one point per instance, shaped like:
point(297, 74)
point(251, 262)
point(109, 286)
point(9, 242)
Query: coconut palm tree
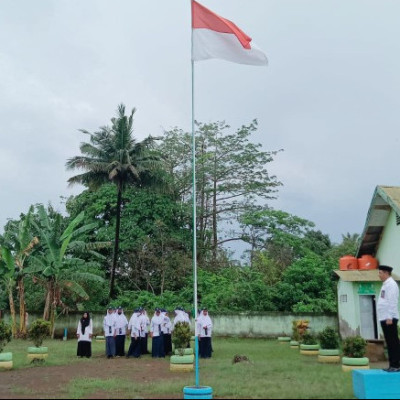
point(113, 155)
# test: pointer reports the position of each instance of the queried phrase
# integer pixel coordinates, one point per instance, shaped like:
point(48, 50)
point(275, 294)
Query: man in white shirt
point(388, 315)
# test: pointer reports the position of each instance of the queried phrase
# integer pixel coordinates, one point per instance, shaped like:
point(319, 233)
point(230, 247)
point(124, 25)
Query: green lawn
point(275, 371)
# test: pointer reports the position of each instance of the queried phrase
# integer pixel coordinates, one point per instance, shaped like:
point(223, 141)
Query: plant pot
point(182, 363)
point(309, 349)
point(100, 339)
point(284, 339)
point(350, 363)
point(330, 356)
point(186, 352)
point(294, 344)
point(197, 392)
point(6, 361)
point(37, 353)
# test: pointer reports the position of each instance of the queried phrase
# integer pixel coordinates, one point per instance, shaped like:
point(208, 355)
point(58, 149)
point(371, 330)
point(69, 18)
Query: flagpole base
point(197, 392)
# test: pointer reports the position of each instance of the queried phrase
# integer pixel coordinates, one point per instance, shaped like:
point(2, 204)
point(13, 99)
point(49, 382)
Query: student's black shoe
point(391, 369)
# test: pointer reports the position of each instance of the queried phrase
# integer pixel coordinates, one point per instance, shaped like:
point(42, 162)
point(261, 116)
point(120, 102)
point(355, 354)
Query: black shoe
point(391, 369)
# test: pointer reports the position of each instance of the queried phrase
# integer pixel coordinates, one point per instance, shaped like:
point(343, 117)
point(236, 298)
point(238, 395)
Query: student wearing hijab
point(134, 329)
point(144, 331)
point(121, 325)
point(84, 334)
point(204, 329)
point(166, 330)
point(110, 332)
point(157, 344)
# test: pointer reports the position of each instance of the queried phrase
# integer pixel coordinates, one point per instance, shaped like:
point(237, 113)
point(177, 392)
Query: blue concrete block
point(376, 384)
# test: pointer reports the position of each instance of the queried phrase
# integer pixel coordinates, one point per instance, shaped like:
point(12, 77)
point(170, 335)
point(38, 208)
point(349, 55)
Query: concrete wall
point(389, 246)
point(239, 324)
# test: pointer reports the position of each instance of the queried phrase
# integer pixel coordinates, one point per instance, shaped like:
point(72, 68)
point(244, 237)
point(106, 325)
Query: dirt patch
point(51, 382)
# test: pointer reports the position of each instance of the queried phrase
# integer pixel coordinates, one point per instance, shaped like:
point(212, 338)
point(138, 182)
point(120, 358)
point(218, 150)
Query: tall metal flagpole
point(196, 340)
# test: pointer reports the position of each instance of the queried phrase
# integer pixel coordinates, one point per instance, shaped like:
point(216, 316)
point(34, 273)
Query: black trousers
point(205, 347)
point(392, 342)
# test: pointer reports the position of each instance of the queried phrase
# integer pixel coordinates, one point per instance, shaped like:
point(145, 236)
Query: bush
point(5, 335)
point(39, 330)
point(354, 346)
point(309, 338)
point(328, 338)
point(181, 336)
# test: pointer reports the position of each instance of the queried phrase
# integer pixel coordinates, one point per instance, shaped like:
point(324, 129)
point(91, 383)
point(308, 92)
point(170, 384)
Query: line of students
point(116, 326)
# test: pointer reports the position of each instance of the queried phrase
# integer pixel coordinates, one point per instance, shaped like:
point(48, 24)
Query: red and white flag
point(217, 37)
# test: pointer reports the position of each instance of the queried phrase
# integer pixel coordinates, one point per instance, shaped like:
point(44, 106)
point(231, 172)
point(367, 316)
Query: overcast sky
point(330, 96)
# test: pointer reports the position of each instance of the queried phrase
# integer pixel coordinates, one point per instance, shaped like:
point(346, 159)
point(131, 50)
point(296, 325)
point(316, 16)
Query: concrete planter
point(284, 339)
point(294, 344)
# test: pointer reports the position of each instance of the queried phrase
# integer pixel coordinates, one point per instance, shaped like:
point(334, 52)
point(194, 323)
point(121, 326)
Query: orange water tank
point(367, 262)
point(348, 262)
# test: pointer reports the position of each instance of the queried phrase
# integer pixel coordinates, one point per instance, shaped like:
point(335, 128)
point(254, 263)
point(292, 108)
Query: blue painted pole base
point(376, 384)
point(197, 392)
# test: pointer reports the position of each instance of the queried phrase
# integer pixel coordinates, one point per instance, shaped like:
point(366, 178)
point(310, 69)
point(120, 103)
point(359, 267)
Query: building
point(357, 290)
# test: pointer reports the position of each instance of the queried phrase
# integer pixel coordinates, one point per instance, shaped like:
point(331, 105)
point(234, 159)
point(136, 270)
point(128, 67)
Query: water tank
point(348, 263)
point(367, 262)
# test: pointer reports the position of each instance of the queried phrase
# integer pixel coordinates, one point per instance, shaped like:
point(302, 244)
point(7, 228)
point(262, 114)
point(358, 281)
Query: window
point(343, 298)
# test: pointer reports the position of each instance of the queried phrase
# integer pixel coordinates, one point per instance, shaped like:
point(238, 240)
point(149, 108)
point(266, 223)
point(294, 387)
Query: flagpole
point(196, 337)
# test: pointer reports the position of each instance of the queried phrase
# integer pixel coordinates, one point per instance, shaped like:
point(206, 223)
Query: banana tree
point(17, 244)
point(59, 266)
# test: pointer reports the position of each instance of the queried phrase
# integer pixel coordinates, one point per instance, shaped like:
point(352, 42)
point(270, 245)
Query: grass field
point(274, 371)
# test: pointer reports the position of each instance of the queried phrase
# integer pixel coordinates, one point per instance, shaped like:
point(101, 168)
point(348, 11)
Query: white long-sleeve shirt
point(166, 325)
point(121, 324)
point(156, 325)
point(387, 306)
point(204, 326)
point(85, 337)
point(134, 325)
point(109, 324)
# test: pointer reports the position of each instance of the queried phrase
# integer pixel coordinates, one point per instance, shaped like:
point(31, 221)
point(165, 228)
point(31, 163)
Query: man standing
point(388, 314)
point(121, 325)
point(109, 326)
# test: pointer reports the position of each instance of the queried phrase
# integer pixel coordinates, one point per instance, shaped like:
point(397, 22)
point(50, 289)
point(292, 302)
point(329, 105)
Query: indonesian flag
point(217, 37)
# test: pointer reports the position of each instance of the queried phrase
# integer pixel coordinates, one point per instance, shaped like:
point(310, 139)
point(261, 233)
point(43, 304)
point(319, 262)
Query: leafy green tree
point(113, 155)
point(307, 286)
point(225, 188)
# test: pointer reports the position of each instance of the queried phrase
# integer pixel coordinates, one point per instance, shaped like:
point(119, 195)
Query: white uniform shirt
point(166, 325)
point(134, 325)
point(144, 325)
point(204, 325)
point(88, 331)
point(121, 324)
point(156, 325)
point(387, 307)
point(109, 324)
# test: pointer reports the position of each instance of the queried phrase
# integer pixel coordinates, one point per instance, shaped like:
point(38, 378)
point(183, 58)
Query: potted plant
point(183, 358)
point(299, 327)
point(354, 349)
point(6, 361)
point(329, 346)
point(38, 331)
point(309, 344)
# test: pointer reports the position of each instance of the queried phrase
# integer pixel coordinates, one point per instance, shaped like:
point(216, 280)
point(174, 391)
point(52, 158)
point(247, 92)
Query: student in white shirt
point(157, 344)
point(121, 325)
point(110, 332)
point(204, 329)
point(388, 315)
point(134, 328)
point(84, 334)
